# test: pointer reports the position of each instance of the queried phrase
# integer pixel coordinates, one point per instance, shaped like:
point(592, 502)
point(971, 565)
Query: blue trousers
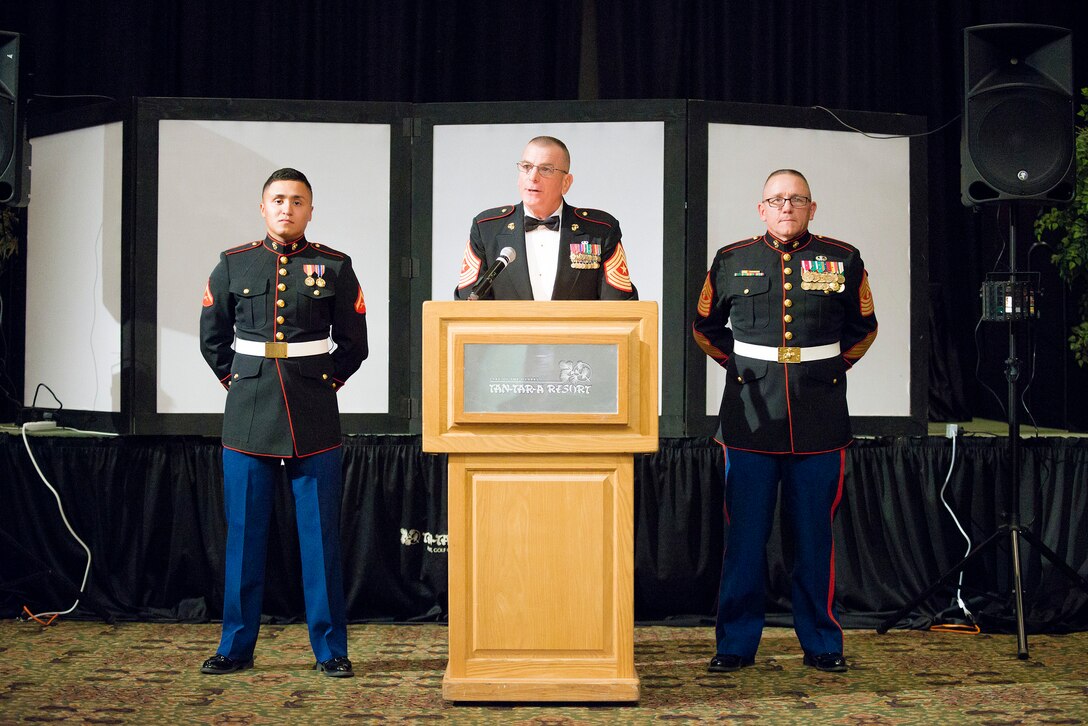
point(811, 492)
point(249, 483)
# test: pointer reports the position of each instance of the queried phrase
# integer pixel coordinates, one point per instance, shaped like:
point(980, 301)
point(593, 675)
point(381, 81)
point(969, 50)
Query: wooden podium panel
point(541, 566)
point(540, 406)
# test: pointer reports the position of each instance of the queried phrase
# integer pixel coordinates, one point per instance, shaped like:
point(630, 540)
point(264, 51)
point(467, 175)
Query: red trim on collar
point(302, 243)
point(783, 246)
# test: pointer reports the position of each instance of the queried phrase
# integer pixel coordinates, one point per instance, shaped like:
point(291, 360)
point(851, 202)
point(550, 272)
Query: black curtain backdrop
point(903, 56)
point(150, 509)
point(350, 50)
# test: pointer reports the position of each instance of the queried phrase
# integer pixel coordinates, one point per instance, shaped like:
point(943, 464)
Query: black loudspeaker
point(1017, 139)
point(14, 148)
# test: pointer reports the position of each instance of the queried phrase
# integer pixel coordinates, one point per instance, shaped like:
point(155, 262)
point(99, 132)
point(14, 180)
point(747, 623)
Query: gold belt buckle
point(789, 355)
point(275, 349)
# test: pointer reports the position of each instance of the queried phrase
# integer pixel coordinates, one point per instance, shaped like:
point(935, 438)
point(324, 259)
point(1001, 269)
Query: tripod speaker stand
point(1020, 307)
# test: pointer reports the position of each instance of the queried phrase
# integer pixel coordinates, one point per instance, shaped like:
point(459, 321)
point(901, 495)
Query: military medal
point(311, 271)
point(823, 274)
point(585, 255)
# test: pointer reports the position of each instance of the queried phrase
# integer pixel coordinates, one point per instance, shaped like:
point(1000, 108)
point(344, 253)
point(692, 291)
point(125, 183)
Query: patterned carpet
point(92, 672)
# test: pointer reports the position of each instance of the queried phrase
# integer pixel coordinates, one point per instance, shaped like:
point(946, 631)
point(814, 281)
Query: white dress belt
point(278, 349)
point(786, 354)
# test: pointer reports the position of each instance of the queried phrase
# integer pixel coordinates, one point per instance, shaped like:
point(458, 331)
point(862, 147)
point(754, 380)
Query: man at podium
point(555, 251)
point(800, 315)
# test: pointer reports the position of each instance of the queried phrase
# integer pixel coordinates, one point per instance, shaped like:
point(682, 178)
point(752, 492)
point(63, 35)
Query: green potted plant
point(1071, 255)
point(9, 241)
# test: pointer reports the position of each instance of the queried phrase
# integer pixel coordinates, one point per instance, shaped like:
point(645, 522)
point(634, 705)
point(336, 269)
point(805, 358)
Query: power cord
point(52, 615)
point(882, 137)
point(952, 431)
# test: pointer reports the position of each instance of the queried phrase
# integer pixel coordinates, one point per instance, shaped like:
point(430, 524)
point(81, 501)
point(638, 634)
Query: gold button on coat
point(279, 319)
point(788, 335)
point(787, 317)
point(788, 286)
point(280, 303)
point(279, 336)
point(281, 287)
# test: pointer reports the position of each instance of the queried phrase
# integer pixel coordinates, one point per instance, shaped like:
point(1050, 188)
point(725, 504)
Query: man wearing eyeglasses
point(800, 314)
point(562, 252)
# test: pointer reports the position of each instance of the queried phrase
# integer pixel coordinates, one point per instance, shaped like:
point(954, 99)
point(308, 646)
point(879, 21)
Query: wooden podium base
point(541, 569)
point(550, 689)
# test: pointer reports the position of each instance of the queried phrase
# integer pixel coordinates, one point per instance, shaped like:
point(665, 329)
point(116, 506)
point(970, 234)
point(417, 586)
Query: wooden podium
point(540, 407)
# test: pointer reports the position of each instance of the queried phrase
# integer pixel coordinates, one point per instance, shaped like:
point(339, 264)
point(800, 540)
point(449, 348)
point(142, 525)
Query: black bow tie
point(532, 223)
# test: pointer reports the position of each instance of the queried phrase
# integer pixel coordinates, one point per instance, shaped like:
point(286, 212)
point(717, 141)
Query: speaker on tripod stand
point(1017, 147)
point(1017, 142)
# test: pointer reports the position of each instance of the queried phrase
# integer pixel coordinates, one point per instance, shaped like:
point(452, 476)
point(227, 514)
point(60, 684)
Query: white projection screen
point(861, 187)
point(73, 258)
point(617, 166)
point(210, 174)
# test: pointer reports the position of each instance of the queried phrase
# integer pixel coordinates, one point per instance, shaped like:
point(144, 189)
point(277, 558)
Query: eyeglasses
point(546, 170)
point(796, 200)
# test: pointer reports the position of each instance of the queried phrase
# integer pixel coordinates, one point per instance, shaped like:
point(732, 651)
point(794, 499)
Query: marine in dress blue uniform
point(801, 315)
point(591, 263)
point(269, 311)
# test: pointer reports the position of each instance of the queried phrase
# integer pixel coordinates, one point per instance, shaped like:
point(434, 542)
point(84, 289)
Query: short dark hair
point(552, 141)
point(794, 172)
point(287, 174)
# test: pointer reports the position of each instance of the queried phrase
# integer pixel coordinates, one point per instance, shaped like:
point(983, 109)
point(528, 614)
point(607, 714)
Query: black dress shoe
point(338, 667)
point(217, 665)
point(728, 663)
point(830, 662)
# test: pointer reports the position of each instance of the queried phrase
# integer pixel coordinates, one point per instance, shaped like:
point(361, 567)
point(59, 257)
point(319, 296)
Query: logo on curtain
point(437, 543)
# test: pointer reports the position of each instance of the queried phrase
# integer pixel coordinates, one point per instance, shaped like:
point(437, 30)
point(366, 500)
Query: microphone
point(505, 257)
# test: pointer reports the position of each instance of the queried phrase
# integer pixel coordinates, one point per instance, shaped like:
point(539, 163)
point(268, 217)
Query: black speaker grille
point(7, 133)
point(1020, 139)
